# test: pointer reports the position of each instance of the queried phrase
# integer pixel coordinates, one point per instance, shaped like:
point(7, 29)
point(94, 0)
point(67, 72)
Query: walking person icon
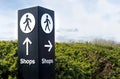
point(27, 21)
point(47, 21)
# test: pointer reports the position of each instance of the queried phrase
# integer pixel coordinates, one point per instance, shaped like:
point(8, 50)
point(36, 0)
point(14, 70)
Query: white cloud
point(91, 18)
point(8, 27)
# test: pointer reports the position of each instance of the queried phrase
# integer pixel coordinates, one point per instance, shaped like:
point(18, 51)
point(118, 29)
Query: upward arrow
point(27, 40)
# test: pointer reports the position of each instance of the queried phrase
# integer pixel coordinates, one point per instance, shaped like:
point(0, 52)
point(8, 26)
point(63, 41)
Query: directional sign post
point(36, 50)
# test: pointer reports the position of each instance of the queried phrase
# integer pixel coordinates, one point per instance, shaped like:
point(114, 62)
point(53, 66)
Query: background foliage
point(8, 59)
point(73, 60)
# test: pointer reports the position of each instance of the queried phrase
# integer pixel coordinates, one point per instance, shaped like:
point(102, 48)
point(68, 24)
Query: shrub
point(73, 61)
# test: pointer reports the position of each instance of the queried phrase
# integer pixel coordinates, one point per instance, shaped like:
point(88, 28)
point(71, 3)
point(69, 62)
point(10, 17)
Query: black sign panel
point(36, 43)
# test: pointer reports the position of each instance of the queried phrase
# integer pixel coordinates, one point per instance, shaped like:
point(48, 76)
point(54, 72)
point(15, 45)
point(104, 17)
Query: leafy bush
point(87, 61)
point(73, 61)
point(8, 59)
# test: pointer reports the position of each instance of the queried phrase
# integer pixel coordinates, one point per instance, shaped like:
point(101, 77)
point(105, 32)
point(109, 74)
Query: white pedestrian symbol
point(27, 23)
point(47, 23)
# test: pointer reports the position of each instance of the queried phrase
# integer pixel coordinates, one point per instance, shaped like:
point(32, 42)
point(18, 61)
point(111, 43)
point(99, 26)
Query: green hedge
point(73, 61)
point(8, 59)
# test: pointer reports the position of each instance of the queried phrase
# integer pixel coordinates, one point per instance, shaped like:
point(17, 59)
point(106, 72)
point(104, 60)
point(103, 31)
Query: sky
point(75, 20)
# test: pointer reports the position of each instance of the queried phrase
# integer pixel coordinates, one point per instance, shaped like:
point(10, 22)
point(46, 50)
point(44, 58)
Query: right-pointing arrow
point(27, 40)
point(49, 46)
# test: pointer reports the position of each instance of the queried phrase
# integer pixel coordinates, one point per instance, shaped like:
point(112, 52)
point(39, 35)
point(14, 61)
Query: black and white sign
point(36, 50)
